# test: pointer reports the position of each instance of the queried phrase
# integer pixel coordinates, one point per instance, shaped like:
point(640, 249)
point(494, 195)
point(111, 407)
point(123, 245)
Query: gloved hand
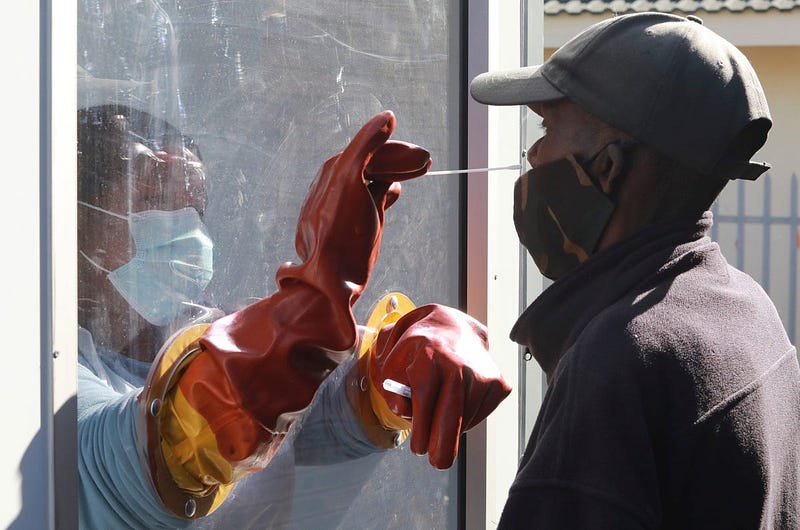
point(442, 354)
point(253, 371)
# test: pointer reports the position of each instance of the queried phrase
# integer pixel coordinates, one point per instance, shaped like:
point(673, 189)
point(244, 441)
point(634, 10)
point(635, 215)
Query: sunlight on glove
point(442, 355)
point(227, 408)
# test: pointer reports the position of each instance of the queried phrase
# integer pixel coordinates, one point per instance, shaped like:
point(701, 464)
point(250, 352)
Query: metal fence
point(756, 224)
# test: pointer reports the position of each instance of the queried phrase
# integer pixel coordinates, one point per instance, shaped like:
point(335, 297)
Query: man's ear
point(607, 168)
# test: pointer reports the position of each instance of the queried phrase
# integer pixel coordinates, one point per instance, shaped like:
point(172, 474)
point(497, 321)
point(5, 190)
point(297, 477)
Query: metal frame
point(38, 277)
point(64, 244)
point(492, 253)
point(494, 269)
point(26, 451)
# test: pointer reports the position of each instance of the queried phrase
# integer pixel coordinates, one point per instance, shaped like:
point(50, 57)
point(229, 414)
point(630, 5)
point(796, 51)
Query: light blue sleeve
point(321, 465)
point(320, 468)
point(114, 490)
point(330, 431)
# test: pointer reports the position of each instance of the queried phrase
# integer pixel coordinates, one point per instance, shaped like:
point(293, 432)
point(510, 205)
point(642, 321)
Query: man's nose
point(530, 155)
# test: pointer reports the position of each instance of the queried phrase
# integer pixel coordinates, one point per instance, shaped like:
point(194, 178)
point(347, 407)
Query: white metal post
point(26, 462)
point(64, 245)
point(493, 264)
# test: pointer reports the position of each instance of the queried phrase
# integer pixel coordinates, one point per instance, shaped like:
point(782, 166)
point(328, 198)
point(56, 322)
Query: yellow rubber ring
point(387, 310)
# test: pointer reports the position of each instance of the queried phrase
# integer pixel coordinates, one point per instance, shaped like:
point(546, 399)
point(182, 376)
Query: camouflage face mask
point(560, 215)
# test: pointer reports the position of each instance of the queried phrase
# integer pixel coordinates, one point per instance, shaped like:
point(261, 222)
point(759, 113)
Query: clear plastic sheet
point(262, 92)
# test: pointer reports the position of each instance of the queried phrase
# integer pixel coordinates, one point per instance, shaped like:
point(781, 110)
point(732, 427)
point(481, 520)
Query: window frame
point(491, 35)
point(502, 35)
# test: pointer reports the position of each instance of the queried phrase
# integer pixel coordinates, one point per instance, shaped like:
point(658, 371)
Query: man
point(674, 392)
point(130, 162)
point(177, 404)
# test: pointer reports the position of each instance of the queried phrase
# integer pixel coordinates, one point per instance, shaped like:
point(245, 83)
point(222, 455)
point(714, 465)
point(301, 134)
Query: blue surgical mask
point(172, 266)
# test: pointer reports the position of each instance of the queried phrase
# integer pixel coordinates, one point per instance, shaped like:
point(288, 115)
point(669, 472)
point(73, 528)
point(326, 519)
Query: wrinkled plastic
point(260, 366)
point(268, 91)
point(442, 354)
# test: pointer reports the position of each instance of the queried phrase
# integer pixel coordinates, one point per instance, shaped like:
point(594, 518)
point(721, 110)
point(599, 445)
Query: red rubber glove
point(256, 369)
point(442, 354)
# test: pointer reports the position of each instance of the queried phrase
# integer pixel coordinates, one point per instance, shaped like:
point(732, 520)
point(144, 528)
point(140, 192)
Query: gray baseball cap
point(666, 80)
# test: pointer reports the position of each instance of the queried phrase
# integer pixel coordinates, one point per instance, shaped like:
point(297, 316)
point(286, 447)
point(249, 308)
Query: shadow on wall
point(33, 470)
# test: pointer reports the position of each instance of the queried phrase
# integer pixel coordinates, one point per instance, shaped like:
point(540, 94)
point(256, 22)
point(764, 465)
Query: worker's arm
point(427, 372)
point(216, 407)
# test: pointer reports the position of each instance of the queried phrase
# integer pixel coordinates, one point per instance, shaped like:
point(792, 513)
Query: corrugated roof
point(577, 7)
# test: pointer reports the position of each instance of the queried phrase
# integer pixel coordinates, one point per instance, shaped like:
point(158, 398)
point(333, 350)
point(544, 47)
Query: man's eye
point(543, 126)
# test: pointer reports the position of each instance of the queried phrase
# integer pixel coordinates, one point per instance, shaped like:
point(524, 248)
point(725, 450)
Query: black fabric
point(673, 399)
